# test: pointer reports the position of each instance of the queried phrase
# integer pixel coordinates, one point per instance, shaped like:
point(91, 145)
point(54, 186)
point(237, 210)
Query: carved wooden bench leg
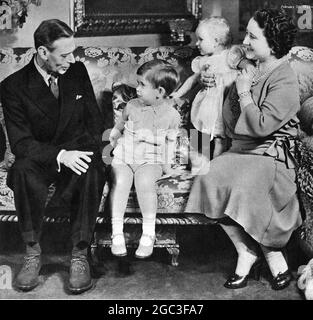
point(174, 252)
point(165, 238)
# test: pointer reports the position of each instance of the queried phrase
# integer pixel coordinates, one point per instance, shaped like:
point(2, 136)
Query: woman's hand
point(244, 79)
point(208, 79)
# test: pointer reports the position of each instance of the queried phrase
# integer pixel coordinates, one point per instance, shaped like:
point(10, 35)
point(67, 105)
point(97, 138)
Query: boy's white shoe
point(118, 247)
point(145, 247)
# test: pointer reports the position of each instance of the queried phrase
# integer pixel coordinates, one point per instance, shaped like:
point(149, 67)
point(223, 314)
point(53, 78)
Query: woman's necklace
point(259, 75)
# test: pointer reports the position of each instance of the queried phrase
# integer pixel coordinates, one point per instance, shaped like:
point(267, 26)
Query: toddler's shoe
point(145, 247)
point(118, 247)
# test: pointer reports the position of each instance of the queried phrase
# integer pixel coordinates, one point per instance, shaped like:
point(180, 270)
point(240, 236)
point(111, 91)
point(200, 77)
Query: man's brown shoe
point(80, 279)
point(28, 277)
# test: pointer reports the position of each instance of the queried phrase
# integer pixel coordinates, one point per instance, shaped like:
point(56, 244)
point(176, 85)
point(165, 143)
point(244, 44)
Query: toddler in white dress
point(214, 39)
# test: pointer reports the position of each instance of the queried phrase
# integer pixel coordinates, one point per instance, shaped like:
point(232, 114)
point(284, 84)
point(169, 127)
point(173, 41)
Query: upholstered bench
point(118, 65)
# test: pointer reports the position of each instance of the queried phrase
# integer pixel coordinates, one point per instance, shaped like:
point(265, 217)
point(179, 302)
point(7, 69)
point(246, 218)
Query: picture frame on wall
point(118, 17)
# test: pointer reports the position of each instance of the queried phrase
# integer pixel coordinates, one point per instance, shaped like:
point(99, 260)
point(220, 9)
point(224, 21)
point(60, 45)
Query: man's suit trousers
point(79, 195)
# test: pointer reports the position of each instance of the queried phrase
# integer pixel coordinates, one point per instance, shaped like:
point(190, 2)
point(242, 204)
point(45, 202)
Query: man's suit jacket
point(38, 126)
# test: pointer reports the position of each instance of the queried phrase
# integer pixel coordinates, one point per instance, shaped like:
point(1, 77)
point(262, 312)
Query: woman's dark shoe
point(237, 282)
point(282, 280)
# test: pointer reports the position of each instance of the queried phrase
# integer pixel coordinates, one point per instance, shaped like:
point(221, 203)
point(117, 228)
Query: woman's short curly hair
point(278, 29)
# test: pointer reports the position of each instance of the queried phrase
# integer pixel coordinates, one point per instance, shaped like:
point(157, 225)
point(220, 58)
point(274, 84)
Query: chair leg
point(174, 252)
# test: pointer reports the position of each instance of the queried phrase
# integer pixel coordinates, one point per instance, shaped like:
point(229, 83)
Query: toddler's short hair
point(219, 27)
point(160, 74)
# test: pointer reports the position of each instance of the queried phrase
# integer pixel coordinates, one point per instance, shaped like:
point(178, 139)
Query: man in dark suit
point(54, 127)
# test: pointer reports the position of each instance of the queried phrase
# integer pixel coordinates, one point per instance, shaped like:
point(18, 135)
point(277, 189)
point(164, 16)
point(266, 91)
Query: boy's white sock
point(117, 226)
point(148, 226)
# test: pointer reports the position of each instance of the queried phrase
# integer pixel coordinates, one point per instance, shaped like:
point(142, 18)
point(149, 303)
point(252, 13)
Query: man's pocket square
point(78, 97)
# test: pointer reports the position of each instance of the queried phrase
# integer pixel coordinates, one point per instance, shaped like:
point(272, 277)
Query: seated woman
point(251, 188)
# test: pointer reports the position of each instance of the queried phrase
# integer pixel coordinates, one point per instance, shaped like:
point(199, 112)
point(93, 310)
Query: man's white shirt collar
point(42, 72)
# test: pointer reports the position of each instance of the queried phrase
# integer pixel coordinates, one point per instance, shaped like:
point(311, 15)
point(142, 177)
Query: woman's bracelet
point(244, 94)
